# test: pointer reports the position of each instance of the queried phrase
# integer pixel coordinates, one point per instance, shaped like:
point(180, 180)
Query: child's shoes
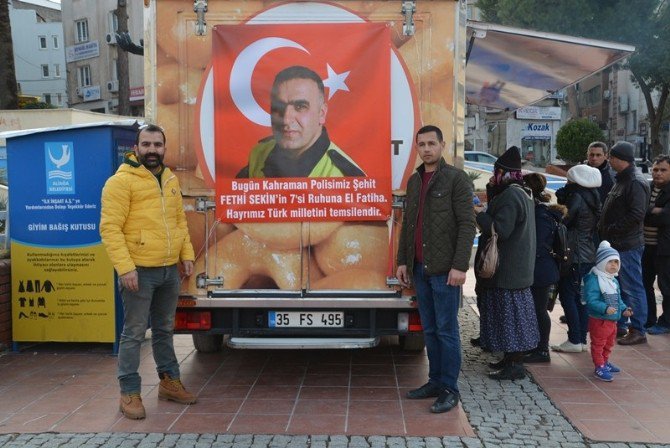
point(602, 373)
point(612, 368)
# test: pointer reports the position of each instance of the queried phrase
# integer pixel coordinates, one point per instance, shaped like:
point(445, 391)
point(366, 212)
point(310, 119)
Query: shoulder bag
point(487, 264)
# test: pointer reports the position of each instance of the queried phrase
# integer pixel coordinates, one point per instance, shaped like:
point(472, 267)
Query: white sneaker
point(567, 347)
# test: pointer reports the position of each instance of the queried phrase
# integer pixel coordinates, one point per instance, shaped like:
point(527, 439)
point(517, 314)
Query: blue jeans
point(438, 308)
point(155, 300)
point(570, 295)
point(632, 288)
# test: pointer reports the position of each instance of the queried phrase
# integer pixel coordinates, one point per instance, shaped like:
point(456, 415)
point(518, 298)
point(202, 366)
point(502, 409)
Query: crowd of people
point(615, 225)
point(618, 229)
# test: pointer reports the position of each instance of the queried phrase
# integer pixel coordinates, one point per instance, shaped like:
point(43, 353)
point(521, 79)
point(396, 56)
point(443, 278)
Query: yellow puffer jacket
point(142, 224)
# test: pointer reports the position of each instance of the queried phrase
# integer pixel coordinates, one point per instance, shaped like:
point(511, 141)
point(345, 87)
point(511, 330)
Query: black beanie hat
point(623, 151)
point(510, 160)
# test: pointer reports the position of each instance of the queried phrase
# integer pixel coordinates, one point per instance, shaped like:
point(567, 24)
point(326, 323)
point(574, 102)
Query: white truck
point(307, 261)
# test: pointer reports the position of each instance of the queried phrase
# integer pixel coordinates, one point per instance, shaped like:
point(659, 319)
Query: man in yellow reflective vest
point(299, 146)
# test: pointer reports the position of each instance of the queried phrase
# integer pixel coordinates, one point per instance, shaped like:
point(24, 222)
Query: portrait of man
point(300, 145)
point(301, 127)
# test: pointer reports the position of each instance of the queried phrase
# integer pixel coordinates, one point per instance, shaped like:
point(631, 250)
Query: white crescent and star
point(244, 66)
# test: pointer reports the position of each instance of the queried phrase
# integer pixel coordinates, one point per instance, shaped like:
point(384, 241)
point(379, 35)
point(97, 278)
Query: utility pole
point(122, 61)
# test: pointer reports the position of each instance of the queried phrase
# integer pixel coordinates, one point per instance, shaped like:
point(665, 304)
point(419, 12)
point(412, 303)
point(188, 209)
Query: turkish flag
point(352, 59)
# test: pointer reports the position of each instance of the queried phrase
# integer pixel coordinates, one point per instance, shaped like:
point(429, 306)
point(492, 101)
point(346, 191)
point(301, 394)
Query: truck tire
point(412, 342)
point(207, 343)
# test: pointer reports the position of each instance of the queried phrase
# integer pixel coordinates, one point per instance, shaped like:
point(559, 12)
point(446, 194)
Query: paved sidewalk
point(510, 414)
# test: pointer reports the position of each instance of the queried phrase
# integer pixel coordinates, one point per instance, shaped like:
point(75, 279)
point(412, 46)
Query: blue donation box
point(62, 280)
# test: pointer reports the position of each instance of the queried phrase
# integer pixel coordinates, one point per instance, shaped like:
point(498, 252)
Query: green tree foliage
point(8, 90)
point(574, 137)
point(642, 23)
point(38, 105)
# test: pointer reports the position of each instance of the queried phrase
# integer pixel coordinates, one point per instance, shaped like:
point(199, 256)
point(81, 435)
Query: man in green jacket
point(299, 146)
point(438, 231)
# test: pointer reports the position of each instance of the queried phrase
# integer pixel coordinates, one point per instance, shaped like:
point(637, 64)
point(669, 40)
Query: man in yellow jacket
point(143, 228)
point(299, 146)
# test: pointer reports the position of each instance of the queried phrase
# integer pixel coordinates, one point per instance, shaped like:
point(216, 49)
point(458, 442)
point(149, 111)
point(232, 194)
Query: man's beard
point(151, 160)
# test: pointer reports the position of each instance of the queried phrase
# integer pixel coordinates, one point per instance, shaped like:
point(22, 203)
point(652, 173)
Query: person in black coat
point(621, 223)
point(596, 156)
point(656, 257)
point(546, 273)
point(582, 199)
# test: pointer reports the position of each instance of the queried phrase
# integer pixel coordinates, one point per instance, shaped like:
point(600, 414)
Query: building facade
point(38, 46)
point(91, 55)
point(613, 100)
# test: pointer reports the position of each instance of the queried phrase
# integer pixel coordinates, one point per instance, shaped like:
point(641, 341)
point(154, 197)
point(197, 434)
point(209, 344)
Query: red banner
point(317, 145)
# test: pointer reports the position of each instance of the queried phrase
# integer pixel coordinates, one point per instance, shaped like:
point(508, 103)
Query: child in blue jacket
point(605, 307)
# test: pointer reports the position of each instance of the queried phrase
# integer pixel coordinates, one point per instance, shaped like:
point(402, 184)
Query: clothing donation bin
point(63, 287)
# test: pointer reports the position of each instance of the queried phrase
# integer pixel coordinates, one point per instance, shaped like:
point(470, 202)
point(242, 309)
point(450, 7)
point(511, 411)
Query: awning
point(508, 68)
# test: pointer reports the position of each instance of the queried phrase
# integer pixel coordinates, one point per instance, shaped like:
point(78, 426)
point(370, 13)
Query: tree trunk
point(9, 98)
point(573, 103)
point(122, 61)
point(655, 127)
point(654, 114)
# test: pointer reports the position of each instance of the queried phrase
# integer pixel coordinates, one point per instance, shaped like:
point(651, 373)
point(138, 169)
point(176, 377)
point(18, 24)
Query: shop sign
point(136, 93)
point(79, 52)
point(91, 93)
point(534, 129)
point(538, 113)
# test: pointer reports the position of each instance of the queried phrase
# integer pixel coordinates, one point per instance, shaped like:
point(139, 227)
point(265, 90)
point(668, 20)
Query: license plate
point(306, 319)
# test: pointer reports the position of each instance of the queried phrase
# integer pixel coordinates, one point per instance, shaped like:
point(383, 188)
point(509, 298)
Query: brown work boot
point(131, 406)
point(173, 389)
point(633, 337)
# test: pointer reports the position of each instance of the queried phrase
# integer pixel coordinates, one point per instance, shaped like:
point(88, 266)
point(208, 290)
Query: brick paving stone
point(145, 444)
point(471, 442)
point(396, 442)
point(358, 442)
point(338, 442)
point(114, 441)
point(377, 441)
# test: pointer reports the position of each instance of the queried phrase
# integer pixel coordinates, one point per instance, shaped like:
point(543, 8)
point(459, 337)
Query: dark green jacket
point(448, 221)
point(513, 215)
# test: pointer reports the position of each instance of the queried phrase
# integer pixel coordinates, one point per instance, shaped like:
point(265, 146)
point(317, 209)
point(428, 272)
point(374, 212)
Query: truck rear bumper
point(306, 323)
point(302, 343)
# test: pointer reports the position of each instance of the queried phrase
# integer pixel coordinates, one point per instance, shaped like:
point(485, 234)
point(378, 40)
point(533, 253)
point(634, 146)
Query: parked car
point(479, 156)
point(643, 166)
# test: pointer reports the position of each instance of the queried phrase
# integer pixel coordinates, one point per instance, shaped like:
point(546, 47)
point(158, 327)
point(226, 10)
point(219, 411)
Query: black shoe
point(510, 372)
point(428, 390)
point(537, 356)
point(500, 364)
point(477, 342)
point(562, 319)
point(445, 402)
point(621, 332)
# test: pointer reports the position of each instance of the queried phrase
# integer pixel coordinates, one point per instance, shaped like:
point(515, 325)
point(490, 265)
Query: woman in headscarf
point(508, 323)
point(546, 272)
